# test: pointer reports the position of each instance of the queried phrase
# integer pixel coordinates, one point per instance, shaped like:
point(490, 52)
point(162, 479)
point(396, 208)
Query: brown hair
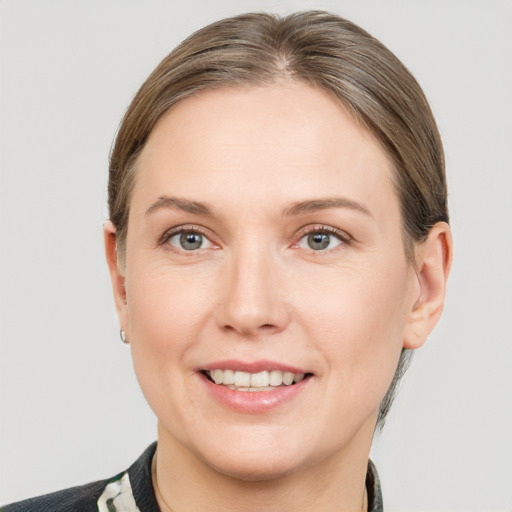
point(317, 48)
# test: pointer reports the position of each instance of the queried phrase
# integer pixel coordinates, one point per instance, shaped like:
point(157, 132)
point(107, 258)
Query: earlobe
point(433, 262)
point(116, 276)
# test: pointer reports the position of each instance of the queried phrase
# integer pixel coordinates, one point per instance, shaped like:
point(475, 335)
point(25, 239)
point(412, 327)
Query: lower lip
point(254, 402)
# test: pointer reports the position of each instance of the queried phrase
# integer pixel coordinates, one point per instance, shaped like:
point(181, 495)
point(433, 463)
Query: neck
point(183, 482)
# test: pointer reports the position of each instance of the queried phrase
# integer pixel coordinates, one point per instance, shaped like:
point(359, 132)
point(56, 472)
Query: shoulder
point(129, 491)
point(77, 499)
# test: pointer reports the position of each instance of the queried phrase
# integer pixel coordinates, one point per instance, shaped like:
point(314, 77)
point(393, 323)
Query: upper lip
point(252, 366)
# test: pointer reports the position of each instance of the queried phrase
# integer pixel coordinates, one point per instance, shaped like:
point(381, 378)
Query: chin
point(255, 458)
point(254, 469)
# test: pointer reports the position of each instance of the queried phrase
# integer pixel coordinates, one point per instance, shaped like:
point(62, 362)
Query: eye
point(322, 239)
point(188, 240)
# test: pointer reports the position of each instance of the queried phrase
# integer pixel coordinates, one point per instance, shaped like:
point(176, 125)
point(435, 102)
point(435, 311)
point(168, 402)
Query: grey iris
point(190, 241)
point(318, 241)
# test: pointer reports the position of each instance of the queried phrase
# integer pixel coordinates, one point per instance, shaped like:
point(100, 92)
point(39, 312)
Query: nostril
point(268, 328)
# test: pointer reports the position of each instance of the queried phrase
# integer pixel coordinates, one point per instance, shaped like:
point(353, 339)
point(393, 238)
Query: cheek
point(167, 311)
point(357, 321)
point(166, 305)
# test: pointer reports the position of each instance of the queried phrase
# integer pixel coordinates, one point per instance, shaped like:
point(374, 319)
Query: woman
point(277, 243)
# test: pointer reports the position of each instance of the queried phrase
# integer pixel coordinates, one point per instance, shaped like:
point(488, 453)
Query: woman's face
point(264, 242)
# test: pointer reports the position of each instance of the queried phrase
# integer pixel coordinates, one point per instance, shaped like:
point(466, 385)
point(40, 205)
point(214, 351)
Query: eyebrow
point(298, 208)
point(177, 203)
point(302, 207)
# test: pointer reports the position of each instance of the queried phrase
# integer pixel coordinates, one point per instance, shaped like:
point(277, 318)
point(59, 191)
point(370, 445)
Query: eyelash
point(342, 236)
point(193, 229)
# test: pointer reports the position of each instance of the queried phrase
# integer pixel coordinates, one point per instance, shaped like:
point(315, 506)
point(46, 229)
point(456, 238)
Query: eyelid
point(191, 228)
point(342, 235)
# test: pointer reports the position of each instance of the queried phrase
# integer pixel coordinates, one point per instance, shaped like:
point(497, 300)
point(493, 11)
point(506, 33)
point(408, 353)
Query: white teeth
point(276, 378)
point(287, 378)
point(261, 381)
point(218, 376)
point(242, 379)
point(229, 377)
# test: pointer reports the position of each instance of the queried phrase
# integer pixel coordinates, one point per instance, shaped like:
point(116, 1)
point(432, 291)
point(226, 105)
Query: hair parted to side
point(319, 49)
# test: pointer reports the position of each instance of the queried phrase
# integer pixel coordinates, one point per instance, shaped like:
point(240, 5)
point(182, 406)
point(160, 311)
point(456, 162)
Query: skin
point(256, 290)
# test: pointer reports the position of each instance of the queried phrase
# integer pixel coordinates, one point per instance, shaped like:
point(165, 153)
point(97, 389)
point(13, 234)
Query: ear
point(116, 273)
point(433, 259)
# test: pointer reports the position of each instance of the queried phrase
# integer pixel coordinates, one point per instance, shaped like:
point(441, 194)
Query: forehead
point(287, 141)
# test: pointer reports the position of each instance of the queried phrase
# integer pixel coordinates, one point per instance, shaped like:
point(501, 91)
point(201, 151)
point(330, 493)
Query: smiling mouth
point(261, 381)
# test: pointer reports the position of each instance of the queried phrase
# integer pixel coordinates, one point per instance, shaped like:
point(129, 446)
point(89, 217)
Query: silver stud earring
point(122, 335)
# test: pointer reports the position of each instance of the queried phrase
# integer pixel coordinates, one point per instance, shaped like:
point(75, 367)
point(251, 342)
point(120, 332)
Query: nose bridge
point(251, 298)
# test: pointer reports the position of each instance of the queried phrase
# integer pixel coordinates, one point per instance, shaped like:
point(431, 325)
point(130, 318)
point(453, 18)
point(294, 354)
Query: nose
point(253, 295)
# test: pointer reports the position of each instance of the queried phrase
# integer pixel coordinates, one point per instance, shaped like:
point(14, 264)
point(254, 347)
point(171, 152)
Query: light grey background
point(71, 410)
